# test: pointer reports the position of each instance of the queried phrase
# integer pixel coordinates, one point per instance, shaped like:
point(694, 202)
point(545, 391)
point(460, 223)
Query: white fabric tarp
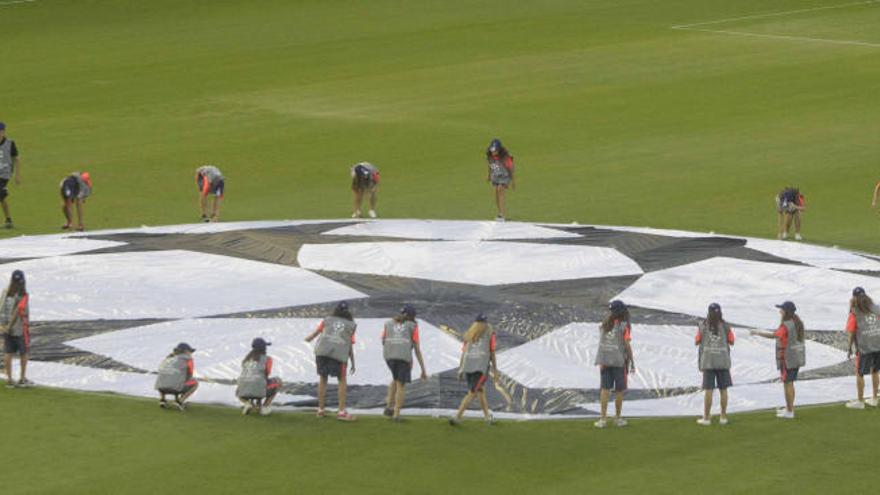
point(743, 398)
point(470, 262)
point(60, 375)
point(38, 246)
point(665, 357)
point(222, 343)
point(165, 284)
point(749, 290)
point(449, 230)
point(207, 228)
point(820, 256)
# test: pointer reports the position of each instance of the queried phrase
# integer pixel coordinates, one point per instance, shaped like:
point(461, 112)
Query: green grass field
point(614, 117)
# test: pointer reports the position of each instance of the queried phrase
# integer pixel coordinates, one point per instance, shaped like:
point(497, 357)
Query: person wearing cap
point(400, 338)
point(477, 361)
point(614, 357)
point(364, 180)
point(75, 188)
point(210, 181)
point(333, 351)
point(176, 376)
point(714, 338)
point(10, 163)
point(256, 387)
point(863, 327)
point(790, 353)
point(500, 174)
point(15, 327)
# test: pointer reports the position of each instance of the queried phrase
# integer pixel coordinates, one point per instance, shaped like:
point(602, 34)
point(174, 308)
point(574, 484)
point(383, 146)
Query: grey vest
point(612, 346)
point(172, 373)
point(868, 330)
point(211, 173)
point(6, 159)
point(399, 340)
point(253, 380)
point(499, 173)
point(795, 352)
point(714, 349)
point(8, 309)
point(477, 354)
point(335, 340)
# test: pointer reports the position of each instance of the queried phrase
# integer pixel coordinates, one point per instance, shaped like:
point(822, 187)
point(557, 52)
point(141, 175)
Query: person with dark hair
point(614, 357)
point(75, 189)
point(10, 164)
point(364, 181)
point(790, 353)
point(477, 362)
point(176, 376)
point(257, 387)
point(400, 338)
point(714, 338)
point(500, 174)
point(863, 327)
point(15, 327)
point(332, 353)
point(210, 181)
point(789, 205)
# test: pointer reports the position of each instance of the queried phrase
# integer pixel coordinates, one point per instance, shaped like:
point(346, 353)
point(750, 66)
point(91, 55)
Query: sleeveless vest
point(399, 340)
point(477, 354)
point(795, 352)
point(253, 381)
point(868, 330)
point(335, 340)
point(612, 346)
point(172, 373)
point(714, 349)
point(6, 159)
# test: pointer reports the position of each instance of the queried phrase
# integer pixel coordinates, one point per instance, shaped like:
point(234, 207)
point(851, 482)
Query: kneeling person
point(176, 376)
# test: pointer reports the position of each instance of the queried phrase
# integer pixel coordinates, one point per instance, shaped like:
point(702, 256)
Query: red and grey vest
point(253, 381)
point(6, 159)
point(173, 373)
point(714, 349)
point(612, 346)
point(399, 340)
point(794, 354)
point(477, 354)
point(335, 340)
point(9, 307)
point(868, 330)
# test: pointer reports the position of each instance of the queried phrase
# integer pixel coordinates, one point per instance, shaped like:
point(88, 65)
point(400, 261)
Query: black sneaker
point(205, 218)
point(388, 412)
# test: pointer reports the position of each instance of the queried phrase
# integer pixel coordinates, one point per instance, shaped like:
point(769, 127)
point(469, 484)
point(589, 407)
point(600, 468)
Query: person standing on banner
point(364, 181)
point(790, 353)
point(477, 361)
point(15, 321)
point(714, 338)
point(210, 181)
point(400, 338)
point(334, 350)
point(75, 189)
point(863, 327)
point(615, 359)
point(256, 387)
point(500, 175)
point(176, 376)
point(10, 163)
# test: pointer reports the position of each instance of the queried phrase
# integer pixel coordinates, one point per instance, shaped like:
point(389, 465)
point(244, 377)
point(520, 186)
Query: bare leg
point(373, 198)
point(271, 396)
point(797, 222)
point(389, 397)
point(860, 387)
point(5, 207)
point(603, 402)
point(215, 216)
point(7, 364)
point(618, 404)
point(398, 403)
point(789, 396)
point(780, 223)
point(79, 213)
point(484, 404)
point(341, 391)
point(358, 198)
point(788, 219)
point(322, 392)
point(499, 199)
point(65, 208)
point(465, 403)
point(724, 403)
point(875, 381)
point(707, 403)
point(23, 360)
point(186, 396)
point(203, 204)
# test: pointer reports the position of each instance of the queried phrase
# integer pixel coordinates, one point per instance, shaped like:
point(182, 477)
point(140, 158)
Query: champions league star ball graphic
point(107, 306)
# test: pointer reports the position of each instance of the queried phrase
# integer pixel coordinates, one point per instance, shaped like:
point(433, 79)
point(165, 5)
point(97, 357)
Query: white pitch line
point(785, 37)
point(775, 14)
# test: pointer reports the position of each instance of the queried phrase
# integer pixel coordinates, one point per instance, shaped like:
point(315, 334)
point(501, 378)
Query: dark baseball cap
point(259, 344)
point(714, 307)
point(2, 125)
point(859, 291)
point(787, 306)
point(616, 306)
point(184, 347)
point(481, 317)
point(408, 310)
point(342, 306)
point(18, 276)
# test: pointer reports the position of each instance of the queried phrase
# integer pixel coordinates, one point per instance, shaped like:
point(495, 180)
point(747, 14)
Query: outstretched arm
point(760, 333)
point(629, 357)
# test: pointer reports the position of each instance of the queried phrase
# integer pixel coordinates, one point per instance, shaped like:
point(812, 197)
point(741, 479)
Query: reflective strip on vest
point(399, 340)
point(335, 340)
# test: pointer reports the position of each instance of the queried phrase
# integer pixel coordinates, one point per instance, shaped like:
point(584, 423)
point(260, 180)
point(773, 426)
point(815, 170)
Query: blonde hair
point(476, 331)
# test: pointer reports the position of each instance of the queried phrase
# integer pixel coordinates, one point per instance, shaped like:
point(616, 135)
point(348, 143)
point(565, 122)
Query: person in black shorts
point(10, 163)
point(400, 338)
point(75, 188)
point(15, 327)
point(333, 352)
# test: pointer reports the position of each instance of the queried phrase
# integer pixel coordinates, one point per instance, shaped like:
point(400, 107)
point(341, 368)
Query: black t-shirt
point(14, 149)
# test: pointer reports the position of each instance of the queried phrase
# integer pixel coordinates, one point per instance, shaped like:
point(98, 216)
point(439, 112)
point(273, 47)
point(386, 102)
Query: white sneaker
point(245, 409)
point(798, 237)
point(787, 415)
point(723, 420)
point(372, 213)
point(780, 412)
point(265, 411)
point(855, 404)
point(356, 214)
point(784, 236)
point(499, 218)
point(601, 423)
point(871, 402)
point(704, 422)
point(620, 422)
